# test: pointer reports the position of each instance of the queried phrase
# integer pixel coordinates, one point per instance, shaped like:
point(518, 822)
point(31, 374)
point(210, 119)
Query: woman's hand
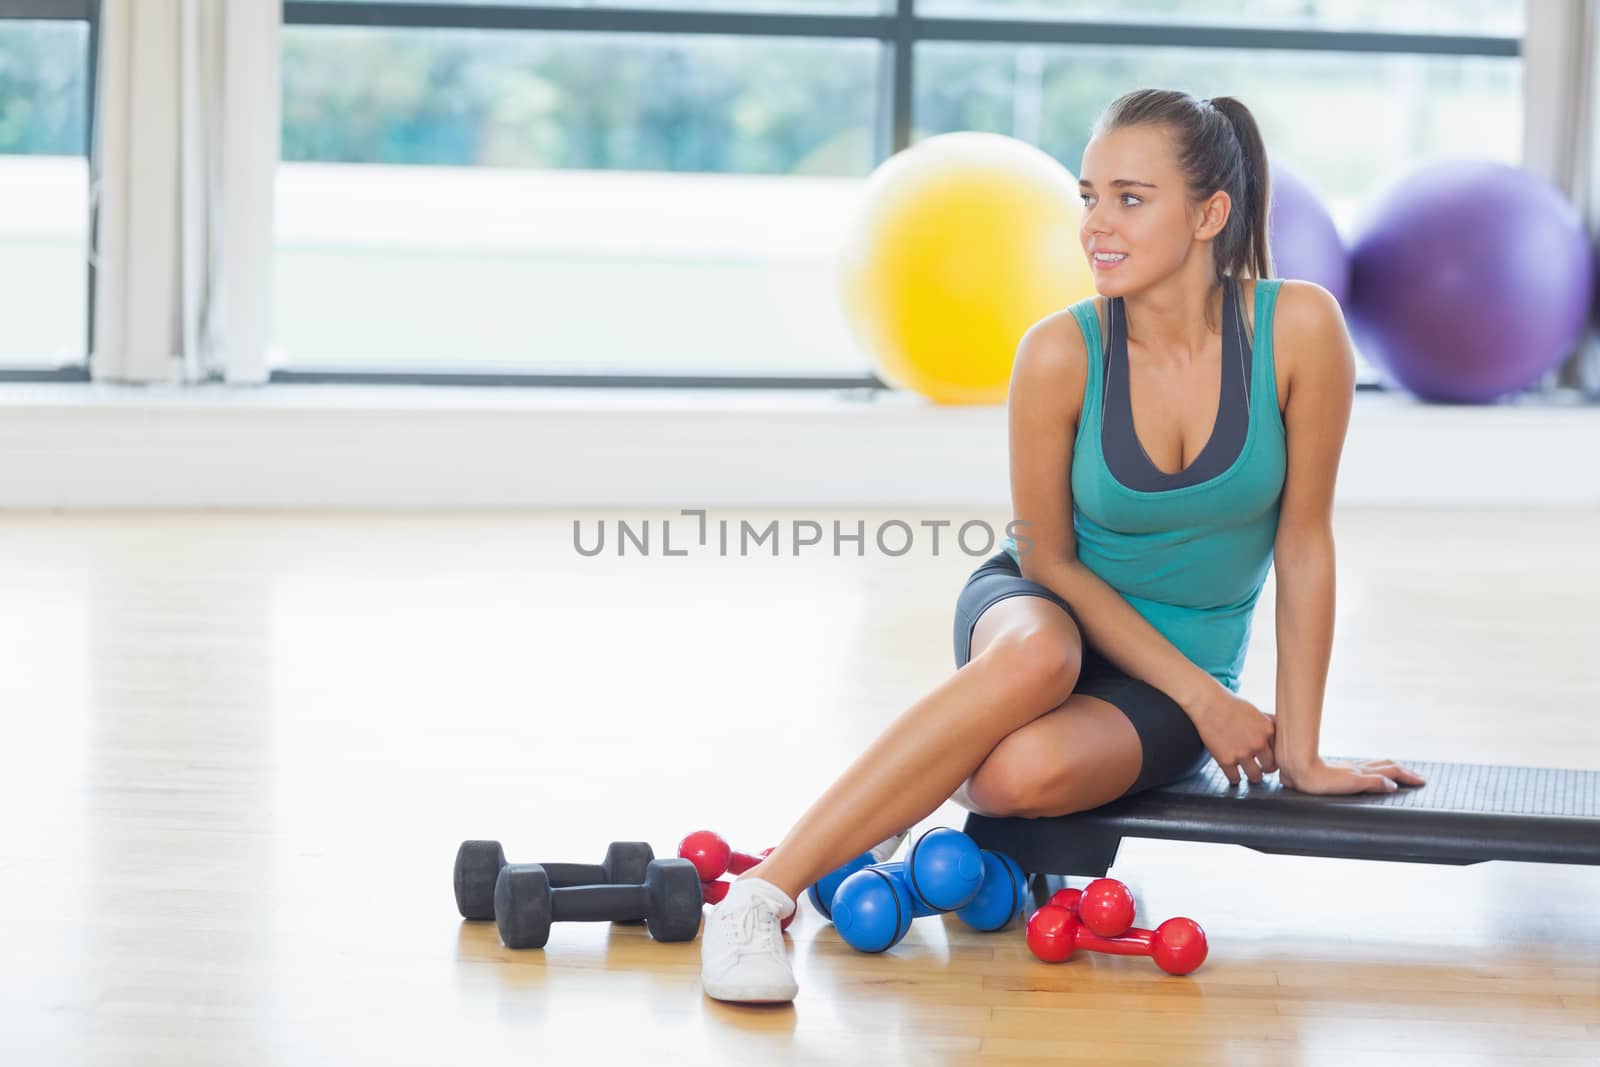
point(1238, 735)
point(1372, 776)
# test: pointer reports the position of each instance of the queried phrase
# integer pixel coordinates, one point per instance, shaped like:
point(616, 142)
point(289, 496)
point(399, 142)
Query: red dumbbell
point(1105, 906)
point(712, 856)
point(1178, 946)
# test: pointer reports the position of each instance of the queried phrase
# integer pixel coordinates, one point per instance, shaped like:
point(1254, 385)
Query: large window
point(568, 202)
point(656, 190)
point(44, 190)
point(1412, 16)
point(1347, 123)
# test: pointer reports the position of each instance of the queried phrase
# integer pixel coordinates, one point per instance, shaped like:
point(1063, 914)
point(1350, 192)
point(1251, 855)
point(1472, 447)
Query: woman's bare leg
point(1027, 666)
point(1083, 754)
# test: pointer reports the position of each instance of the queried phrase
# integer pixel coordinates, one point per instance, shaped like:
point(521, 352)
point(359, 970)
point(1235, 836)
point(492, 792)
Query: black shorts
point(1172, 747)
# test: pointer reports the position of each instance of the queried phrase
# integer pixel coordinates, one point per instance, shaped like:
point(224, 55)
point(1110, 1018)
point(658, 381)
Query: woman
point(1170, 440)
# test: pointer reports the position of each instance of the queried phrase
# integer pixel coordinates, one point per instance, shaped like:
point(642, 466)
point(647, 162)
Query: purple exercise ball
point(1469, 281)
point(1304, 241)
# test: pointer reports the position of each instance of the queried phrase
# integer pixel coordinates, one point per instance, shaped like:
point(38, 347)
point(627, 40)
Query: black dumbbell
point(478, 864)
point(526, 903)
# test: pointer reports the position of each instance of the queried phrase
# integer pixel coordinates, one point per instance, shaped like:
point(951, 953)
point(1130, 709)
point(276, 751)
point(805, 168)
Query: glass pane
point(1346, 123)
point(781, 7)
point(44, 193)
point(1495, 17)
point(568, 203)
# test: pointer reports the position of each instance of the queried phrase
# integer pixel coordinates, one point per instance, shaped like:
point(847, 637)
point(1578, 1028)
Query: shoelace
point(755, 928)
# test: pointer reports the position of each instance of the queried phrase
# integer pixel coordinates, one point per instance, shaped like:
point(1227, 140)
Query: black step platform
point(1467, 813)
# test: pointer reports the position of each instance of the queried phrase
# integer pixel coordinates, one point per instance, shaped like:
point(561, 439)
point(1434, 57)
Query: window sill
point(382, 447)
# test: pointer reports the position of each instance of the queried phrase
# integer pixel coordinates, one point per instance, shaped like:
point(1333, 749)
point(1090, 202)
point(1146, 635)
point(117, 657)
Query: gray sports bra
point(1129, 463)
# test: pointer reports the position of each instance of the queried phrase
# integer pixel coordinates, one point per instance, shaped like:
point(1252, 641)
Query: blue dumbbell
point(946, 869)
point(873, 908)
point(821, 893)
point(946, 872)
point(1002, 897)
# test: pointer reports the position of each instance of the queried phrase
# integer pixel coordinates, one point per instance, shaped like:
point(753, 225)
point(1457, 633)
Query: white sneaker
point(742, 955)
point(885, 850)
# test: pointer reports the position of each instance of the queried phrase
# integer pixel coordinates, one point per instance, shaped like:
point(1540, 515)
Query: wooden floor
point(241, 751)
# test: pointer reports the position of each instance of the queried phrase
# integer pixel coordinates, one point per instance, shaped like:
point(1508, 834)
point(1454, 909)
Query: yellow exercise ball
point(961, 243)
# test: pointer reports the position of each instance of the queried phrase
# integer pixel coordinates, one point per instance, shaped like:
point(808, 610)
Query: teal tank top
point(1191, 560)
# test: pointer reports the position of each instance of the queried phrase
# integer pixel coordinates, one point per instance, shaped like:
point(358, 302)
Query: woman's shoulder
point(1302, 303)
point(1052, 359)
point(1057, 339)
point(1304, 316)
point(1300, 306)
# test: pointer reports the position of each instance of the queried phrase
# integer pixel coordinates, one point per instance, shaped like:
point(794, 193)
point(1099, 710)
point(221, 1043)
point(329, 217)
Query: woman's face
point(1148, 219)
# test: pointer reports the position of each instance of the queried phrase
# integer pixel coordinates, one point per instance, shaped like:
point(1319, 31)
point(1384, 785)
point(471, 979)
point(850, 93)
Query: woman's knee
point(1043, 661)
point(1004, 786)
point(1025, 787)
point(1083, 754)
